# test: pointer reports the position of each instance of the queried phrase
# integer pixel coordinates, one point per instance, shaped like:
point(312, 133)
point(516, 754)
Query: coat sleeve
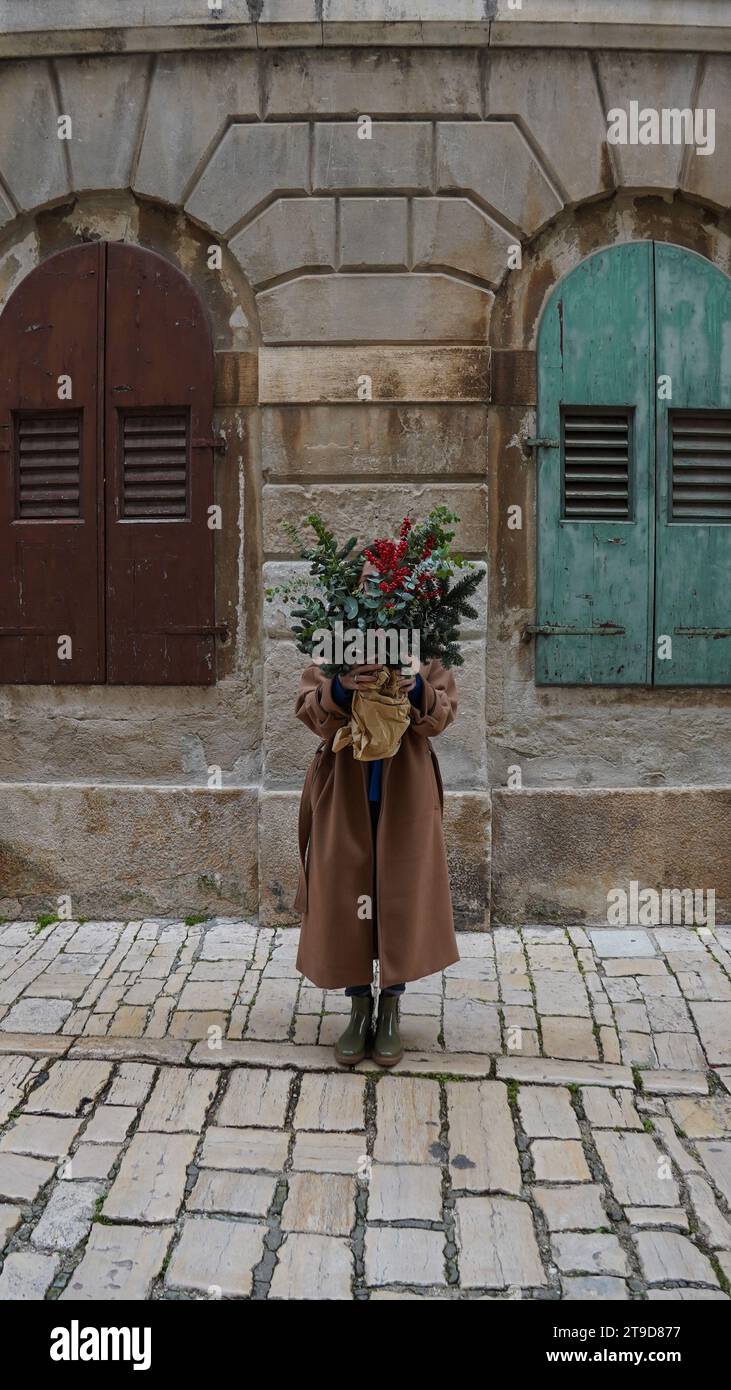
point(438, 705)
point(316, 705)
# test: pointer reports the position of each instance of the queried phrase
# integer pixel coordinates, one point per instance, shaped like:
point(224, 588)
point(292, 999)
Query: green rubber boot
point(350, 1048)
point(388, 1048)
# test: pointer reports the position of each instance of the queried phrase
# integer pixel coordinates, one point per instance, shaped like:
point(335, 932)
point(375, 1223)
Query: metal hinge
point(218, 445)
point(560, 630)
point(702, 632)
point(538, 442)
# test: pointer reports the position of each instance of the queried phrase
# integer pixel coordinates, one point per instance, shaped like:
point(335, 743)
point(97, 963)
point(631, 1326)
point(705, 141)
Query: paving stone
point(404, 1256)
point(151, 1180)
point(330, 1102)
point(44, 1136)
point(471, 1025)
point(636, 1169)
point(240, 1194)
point(37, 1016)
point(483, 1153)
point(119, 1263)
point(497, 1244)
point(563, 995)
point(70, 1086)
point(27, 1275)
point(92, 1161)
point(216, 1257)
point(715, 1155)
point(609, 1109)
point(588, 1289)
point(681, 1051)
point(255, 1098)
point(625, 944)
point(272, 1011)
point(110, 1124)
point(713, 1022)
point(21, 1177)
point(666, 1256)
point(194, 1024)
point(10, 1218)
point(312, 1267)
point(686, 1295)
point(68, 1215)
point(634, 966)
point(179, 1101)
point(589, 1254)
point(713, 1227)
point(570, 1037)
point(546, 1071)
point(708, 1118)
point(657, 1216)
point(34, 1044)
point(637, 1049)
point(238, 1149)
point(408, 1121)
point(322, 1203)
point(661, 1082)
point(559, 1160)
point(575, 1208)
point(546, 1112)
point(402, 1192)
point(328, 1152)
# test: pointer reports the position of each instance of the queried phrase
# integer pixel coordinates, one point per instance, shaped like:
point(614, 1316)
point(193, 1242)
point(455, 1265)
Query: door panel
point(158, 408)
point(51, 536)
point(594, 476)
point(693, 548)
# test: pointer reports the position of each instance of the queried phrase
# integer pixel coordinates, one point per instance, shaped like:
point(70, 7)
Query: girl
point(373, 871)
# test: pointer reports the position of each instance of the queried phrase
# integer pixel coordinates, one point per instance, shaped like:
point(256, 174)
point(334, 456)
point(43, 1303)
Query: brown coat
point(415, 930)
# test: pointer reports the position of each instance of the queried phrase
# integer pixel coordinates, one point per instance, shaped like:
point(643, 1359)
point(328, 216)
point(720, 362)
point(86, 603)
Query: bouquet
point(394, 603)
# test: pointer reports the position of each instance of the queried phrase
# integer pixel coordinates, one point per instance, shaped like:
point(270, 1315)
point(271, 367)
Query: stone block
point(547, 93)
point(119, 1263)
point(31, 154)
point(453, 232)
point(348, 82)
point(472, 157)
point(293, 233)
point(373, 510)
point(558, 852)
point(374, 308)
point(498, 1247)
point(105, 99)
point(709, 176)
point(654, 80)
point(191, 98)
point(373, 232)
point(355, 440)
point(251, 163)
point(397, 155)
point(129, 851)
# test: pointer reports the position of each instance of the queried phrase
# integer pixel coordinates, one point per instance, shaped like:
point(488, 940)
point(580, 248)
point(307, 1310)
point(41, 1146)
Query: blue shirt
point(343, 698)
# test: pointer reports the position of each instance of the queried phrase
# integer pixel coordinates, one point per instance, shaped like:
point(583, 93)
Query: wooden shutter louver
point(155, 461)
point(596, 453)
point(701, 466)
point(48, 465)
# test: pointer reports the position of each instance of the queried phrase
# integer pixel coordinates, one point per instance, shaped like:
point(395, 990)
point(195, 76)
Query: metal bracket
point(538, 442)
point(702, 632)
point(218, 445)
point(560, 630)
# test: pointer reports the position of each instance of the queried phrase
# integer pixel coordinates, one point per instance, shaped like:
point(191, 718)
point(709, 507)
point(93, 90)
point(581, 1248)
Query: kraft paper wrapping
point(379, 718)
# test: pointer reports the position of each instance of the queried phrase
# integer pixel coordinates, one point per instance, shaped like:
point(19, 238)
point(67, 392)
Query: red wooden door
point(51, 618)
point(159, 475)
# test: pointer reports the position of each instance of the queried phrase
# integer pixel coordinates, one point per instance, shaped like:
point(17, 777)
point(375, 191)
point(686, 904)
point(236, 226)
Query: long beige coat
point(415, 930)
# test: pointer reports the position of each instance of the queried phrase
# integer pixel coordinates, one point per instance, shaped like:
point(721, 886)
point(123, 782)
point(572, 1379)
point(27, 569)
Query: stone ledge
point(42, 27)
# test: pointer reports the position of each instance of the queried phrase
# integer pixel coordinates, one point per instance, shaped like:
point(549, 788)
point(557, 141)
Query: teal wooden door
point(595, 473)
point(693, 546)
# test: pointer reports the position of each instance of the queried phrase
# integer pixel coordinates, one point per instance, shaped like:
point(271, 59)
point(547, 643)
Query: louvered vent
point(48, 465)
point(701, 466)
point(155, 465)
point(596, 451)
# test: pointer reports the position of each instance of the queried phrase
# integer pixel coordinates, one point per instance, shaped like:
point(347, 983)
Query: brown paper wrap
point(379, 718)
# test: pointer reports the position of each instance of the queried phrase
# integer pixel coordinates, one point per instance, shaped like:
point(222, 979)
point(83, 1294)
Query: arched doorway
point(106, 401)
point(634, 472)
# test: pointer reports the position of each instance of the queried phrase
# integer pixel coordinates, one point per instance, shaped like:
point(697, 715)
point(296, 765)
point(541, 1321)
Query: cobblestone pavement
point(173, 1125)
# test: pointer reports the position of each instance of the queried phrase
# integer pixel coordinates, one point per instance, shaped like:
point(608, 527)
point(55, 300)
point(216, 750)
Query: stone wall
point(342, 256)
